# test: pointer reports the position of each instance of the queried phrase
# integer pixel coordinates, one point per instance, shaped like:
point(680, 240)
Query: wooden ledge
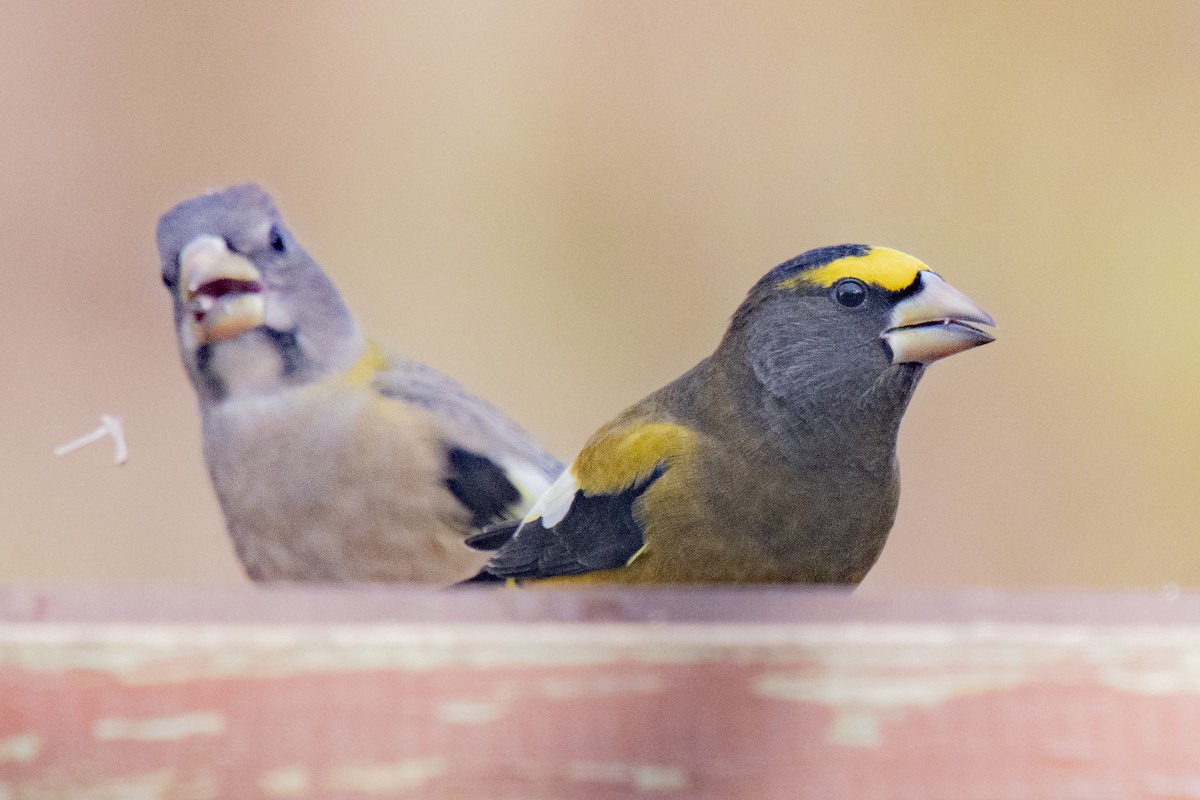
point(696, 693)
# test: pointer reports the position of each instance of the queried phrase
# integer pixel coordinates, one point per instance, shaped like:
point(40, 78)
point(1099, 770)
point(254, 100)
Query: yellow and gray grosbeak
point(772, 460)
point(333, 459)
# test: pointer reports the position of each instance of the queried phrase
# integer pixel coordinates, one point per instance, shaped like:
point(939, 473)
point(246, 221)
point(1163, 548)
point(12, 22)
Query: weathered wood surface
point(221, 693)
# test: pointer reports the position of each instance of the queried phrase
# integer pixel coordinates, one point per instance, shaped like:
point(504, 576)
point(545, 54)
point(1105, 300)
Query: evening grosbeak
point(771, 461)
point(333, 458)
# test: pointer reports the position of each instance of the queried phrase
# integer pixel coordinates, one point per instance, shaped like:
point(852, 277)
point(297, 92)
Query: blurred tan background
point(560, 204)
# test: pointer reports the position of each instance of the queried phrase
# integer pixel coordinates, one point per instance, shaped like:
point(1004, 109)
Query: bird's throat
point(257, 362)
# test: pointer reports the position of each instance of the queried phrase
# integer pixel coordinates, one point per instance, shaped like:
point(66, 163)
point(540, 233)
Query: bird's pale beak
point(933, 323)
point(221, 291)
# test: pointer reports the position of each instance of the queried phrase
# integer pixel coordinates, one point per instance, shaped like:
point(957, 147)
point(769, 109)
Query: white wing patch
point(530, 481)
point(554, 504)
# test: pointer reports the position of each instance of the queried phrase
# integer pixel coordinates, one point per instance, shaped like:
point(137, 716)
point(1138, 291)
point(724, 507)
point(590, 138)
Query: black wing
point(492, 537)
point(599, 532)
point(481, 485)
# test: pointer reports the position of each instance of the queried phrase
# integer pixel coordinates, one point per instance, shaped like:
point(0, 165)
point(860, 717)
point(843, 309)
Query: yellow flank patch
point(882, 266)
point(614, 462)
point(369, 364)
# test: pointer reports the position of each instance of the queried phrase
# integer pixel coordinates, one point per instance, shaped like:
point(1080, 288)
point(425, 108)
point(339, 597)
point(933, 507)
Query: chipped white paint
point(478, 710)
point(854, 729)
point(656, 778)
point(470, 712)
point(160, 729)
point(859, 683)
point(1151, 675)
point(889, 683)
point(922, 663)
point(142, 654)
point(159, 785)
point(20, 749)
point(291, 781)
point(643, 777)
point(385, 779)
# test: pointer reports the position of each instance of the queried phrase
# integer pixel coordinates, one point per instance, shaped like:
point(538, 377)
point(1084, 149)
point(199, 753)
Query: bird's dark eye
point(850, 292)
point(276, 239)
point(168, 281)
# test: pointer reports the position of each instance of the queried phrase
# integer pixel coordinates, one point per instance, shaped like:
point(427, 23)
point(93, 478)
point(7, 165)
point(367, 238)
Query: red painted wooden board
point(665, 694)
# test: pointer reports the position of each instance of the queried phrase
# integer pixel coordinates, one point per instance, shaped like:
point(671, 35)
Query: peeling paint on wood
point(160, 729)
point(385, 779)
point(21, 748)
point(293, 781)
point(612, 707)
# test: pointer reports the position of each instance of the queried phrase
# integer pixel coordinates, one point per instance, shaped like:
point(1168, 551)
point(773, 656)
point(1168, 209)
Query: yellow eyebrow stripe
point(882, 266)
point(616, 462)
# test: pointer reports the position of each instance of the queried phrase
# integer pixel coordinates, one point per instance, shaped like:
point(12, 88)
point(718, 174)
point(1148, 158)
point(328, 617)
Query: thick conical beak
point(222, 292)
point(933, 323)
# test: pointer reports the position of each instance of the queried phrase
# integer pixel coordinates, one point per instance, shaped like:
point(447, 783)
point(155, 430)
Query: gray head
point(253, 312)
point(839, 337)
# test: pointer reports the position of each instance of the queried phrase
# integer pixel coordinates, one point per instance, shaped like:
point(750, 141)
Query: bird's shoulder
point(589, 519)
point(493, 467)
point(461, 417)
point(400, 378)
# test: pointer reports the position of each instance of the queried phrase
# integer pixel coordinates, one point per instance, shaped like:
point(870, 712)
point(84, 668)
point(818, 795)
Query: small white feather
point(553, 506)
point(530, 481)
